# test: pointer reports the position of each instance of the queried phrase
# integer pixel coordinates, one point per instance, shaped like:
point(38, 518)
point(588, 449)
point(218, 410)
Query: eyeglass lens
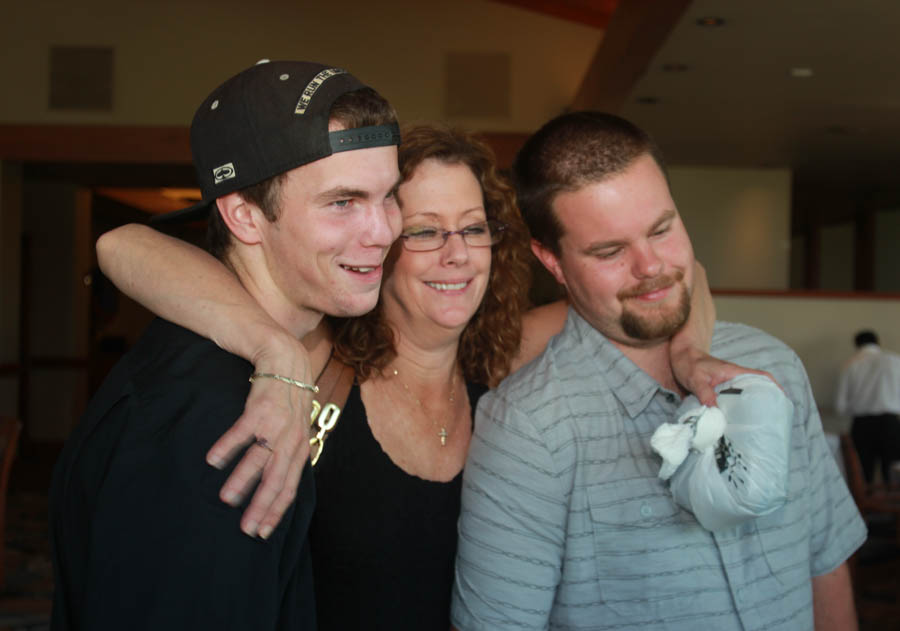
point(477, 235)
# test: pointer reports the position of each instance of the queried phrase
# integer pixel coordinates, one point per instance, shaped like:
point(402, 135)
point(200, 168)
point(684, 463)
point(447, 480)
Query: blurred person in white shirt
point(869, 391)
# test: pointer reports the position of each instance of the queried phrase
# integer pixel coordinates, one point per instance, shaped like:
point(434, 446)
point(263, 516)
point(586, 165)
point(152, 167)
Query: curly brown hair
point(491, 339)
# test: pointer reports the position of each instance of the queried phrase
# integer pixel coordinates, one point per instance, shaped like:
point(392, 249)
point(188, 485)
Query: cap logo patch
point(224, 172)
point(311, 88)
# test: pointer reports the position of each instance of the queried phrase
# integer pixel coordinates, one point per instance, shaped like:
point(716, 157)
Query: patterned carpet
point(26, 596)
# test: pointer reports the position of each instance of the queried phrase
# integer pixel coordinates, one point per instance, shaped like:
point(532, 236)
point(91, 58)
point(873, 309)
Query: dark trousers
point(877, 439)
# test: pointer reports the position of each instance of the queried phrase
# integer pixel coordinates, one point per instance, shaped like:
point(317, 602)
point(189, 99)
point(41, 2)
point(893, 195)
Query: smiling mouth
point(653, 289)
point(653, 294)
point(359, 270)
point(448, 286)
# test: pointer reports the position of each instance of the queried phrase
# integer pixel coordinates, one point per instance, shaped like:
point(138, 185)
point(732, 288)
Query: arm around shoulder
point(538, 326)
point(188, 286)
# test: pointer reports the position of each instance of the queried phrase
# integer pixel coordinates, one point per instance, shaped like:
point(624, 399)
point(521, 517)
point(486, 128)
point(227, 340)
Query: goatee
point(655, 322)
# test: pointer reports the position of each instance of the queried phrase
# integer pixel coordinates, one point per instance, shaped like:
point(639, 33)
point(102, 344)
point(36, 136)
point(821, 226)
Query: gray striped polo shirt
point(565, 524)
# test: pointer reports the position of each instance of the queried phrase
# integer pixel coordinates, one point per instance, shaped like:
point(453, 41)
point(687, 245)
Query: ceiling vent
point(81, 78)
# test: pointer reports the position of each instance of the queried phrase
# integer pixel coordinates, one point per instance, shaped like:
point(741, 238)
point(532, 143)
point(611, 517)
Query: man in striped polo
point(565, 523)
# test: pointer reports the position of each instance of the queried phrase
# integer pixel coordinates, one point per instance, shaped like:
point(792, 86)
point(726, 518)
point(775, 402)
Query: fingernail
point(231, 497)
point(265, 531)
point(250, 528)
point(215, 461)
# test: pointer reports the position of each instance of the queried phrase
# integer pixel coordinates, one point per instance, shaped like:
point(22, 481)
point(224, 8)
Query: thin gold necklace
point(442, 432)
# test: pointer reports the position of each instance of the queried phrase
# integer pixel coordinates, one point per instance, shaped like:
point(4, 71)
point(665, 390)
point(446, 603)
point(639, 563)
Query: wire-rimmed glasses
point(478, 235)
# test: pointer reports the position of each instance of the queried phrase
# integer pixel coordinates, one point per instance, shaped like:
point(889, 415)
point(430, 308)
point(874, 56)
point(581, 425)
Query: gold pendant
point(443, 435)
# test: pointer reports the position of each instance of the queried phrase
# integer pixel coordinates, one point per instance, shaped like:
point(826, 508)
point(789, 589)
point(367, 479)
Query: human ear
point(549, 260)
point(242, 218)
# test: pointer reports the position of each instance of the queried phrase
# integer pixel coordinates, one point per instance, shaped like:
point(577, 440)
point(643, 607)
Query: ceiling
point(728, 95)
point(737, 102)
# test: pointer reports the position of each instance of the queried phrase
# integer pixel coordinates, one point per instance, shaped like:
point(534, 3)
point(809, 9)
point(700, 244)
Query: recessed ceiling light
point(801, 73)
point(647, 100)
point(675, 67)
point(711, 20)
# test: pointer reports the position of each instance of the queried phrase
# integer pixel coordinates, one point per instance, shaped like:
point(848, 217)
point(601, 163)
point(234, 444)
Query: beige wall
point(821, 332)
point(170, 53)
point(739, 221)
point(836, 260)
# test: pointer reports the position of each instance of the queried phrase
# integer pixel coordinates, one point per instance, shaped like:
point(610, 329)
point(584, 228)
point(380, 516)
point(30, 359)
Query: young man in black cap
point(297, 164)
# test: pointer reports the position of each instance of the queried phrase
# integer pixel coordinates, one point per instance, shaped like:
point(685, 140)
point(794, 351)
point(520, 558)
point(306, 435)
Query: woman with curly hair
point(448, 325)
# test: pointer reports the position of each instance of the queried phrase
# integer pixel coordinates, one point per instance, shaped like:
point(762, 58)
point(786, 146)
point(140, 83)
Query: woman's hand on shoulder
point(694, 368)
point(699, 372)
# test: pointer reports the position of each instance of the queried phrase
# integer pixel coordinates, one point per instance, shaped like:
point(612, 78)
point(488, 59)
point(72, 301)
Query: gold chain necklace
point(442, 432)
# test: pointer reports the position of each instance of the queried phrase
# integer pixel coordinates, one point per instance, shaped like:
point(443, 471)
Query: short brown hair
point(568, 153)
point(491, 338)
point(358, 108)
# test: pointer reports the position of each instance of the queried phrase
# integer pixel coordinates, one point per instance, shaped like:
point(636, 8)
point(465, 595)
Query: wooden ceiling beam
point(594, 13)
point(95, 143)
point(634, 35)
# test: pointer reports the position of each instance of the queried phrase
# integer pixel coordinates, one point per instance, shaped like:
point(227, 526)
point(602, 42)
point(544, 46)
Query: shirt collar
point(631, 386)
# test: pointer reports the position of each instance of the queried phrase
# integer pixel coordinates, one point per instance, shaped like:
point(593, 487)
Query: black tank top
point(383, 541)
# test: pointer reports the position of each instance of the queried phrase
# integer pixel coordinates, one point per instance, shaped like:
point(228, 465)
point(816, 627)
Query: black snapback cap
point(267, 120)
